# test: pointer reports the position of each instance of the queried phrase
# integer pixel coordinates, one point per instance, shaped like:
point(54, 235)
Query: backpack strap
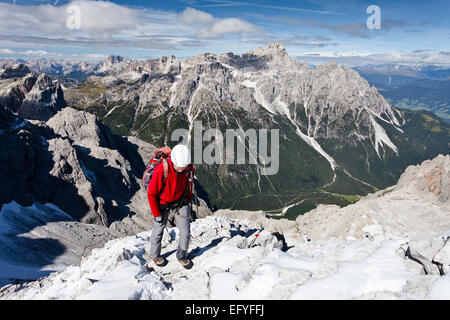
point(166, 168)
point(190, 171)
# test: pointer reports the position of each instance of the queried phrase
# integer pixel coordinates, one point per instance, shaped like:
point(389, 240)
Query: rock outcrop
point(7, 118)
point(77, 164)
point(14, 71)
point(31, 97)
point(243, 255)
point(417, 203)
point(43, 101)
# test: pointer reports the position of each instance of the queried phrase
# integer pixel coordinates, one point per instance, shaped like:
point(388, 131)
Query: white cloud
point(359, 59)
point(40, 53)
point(95, 56)
point(106, 25)
point(86, 56)
point(194, 16)
point(6, 51)
point(225, 26)
point(98, 18)
point(215, 28)
point(105, 18)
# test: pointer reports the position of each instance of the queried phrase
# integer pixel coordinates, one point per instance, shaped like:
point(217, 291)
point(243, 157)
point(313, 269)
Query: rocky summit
point(34, 97)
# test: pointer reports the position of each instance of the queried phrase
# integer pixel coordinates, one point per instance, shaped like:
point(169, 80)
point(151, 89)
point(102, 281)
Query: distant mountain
point(410, 70)
point(35, 97)
point(412, 87)
point(78, 70)
point(338, 135)
point(81, 70)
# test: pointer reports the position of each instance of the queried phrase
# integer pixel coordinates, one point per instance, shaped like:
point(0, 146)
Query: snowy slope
point(229, 266)
point(41, 238)
point(393, 244)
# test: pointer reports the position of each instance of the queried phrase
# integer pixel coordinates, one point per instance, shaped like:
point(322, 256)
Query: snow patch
point(236, 259)
point(173, 90)
point(277, 106)
point(11, 214)
point(111, 111)
point(382, 270)
point(381, 137)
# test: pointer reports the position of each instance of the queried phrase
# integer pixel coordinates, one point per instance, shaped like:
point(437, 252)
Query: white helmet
point(181, 156)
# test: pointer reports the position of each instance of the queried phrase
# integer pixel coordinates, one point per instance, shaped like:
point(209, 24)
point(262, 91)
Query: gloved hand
point(158, 219)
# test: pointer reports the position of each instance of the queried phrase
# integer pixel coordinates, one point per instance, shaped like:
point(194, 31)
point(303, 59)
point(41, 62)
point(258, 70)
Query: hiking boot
point(160, 261)
point(186, 263)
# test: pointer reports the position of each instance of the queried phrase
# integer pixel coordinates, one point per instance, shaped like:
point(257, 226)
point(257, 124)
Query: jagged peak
point(17, 70)
point(258, 52)
point(276, 48)
point(44, 81)
point(112, 59)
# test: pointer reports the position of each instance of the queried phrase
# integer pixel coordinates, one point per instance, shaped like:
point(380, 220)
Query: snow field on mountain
point(238, 260)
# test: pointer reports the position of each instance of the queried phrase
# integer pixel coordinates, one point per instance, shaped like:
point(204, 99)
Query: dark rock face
point(87, 172)
point(6, 118)
point(43, 101)
point(14, 71)
point(32, 97)
point(114, 59)
point(14, 94)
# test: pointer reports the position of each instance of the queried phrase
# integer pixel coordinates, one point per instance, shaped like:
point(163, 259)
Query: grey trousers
point(182, 221)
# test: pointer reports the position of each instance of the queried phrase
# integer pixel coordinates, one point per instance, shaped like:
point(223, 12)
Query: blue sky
point(411, 31)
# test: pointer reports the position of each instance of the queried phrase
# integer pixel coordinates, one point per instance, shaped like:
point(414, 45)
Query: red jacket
point(174, 187)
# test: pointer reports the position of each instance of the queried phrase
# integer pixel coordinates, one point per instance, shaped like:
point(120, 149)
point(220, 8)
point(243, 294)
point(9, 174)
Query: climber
point(170, 188)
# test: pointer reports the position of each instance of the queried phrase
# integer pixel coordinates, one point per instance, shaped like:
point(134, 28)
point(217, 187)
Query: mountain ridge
point(331, 111)
point(337, 132)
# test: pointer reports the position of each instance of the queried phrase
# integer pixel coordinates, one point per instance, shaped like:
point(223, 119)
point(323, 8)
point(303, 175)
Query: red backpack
point(159, 155)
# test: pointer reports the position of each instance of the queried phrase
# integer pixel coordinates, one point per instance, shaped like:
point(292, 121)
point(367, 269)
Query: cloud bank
point(352, 59)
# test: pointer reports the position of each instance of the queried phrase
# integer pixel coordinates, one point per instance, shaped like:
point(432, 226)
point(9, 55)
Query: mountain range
point(414, 87)
point(349, 195)
point(339, 137)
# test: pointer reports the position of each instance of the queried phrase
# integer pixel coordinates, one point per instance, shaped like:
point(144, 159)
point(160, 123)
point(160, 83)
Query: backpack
point(159, 155)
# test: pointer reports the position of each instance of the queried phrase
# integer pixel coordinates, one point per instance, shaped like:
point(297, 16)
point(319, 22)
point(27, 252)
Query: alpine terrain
point(392, 244)
point(357, 208)
point(415, 87)
point(338, 137)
